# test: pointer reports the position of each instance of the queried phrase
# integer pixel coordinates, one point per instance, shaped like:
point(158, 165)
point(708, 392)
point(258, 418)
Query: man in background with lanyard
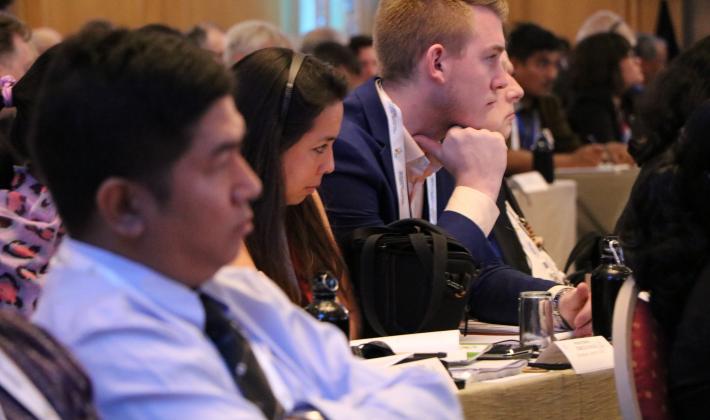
point(442, 69)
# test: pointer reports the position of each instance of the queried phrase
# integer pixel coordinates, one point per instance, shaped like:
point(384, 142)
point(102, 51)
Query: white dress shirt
point(471, 203)
point(140, 337)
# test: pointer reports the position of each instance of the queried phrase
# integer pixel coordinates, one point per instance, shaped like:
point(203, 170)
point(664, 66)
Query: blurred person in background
point(44, 38)
point(210, 37)
point(364, 50)
point(319, 35)
point(603, 21)
point(343, 61)
point(536, 54)
point(604, 69)
point(16, 52)
point(246, 37)
point(653, 52)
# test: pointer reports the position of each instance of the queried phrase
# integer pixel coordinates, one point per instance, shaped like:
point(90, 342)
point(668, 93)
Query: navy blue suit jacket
point(362, 192)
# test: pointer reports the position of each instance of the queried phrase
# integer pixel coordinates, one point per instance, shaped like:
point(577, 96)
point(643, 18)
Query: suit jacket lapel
point(377, 121)
point(504, 233)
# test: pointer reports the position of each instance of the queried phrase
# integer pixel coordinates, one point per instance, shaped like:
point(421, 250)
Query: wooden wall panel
point(562, 16)
point(68, 15)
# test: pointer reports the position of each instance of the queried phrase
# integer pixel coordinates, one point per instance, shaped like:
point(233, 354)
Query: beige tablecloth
point(601, 197)
point(553, 215)
point(554, 395)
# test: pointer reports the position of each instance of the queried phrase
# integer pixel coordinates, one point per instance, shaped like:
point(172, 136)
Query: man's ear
point(123, 206)
point(434, 63)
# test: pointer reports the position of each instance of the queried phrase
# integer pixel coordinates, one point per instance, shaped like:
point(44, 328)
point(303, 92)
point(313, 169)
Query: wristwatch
point(558, 319)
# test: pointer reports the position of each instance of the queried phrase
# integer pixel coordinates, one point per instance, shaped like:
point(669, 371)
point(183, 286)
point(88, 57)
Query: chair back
point(640, 369)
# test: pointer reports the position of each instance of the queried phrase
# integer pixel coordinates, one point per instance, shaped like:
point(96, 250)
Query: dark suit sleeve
point(356, 194)
point(494, 293)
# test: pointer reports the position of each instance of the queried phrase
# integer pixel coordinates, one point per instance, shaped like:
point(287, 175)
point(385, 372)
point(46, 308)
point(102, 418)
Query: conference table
point(549, 395)
point(552, 214)
point(602, 194)
point(580, 201)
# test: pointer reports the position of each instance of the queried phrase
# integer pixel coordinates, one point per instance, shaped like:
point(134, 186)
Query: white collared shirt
point(140, 337)
point(469, 202)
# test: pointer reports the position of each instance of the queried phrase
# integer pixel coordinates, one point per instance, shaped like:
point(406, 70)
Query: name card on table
point(529, 182)
point(588, 354)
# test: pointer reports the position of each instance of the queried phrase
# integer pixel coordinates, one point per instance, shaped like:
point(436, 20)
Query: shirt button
point(241, 368)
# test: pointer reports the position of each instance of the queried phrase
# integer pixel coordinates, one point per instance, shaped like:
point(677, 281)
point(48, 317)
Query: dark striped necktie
point(237, 354)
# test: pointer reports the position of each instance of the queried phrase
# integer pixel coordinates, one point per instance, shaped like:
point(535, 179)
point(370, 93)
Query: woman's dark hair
point(261, 79)
point(595, 63)
point(670, 100)
point(665, 229)
point(25, 93)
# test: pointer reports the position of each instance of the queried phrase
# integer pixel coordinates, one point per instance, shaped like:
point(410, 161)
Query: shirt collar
point(412, 151)
point(416, 161)
point(122, 272)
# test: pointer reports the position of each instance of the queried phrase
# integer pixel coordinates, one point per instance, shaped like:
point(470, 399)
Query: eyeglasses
point(296, 62)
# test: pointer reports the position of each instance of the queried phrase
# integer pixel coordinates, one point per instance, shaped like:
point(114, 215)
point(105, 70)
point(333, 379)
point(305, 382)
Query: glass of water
point(535, 319)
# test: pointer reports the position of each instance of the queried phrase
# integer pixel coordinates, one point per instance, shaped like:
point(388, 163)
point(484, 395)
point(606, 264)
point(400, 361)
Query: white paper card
point(588, 354)
point(431, 342)
point(529, 182)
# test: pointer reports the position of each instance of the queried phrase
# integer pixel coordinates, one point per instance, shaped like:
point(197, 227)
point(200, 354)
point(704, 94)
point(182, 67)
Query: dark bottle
point(607, 279)
point(324, 306)
point(543, 161)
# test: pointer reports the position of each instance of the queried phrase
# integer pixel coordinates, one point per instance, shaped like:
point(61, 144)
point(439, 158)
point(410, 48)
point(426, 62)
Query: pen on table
point(440, 355)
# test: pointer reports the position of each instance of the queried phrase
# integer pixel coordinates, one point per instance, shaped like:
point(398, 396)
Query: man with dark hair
point(443, 68)
point(536, 54)
point(342, 59)
point(208, 36)
point(653, 52)
point(138, 139)
point(364, 50)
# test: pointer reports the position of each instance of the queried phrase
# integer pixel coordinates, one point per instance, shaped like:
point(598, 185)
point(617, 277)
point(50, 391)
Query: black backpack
point(409, 276)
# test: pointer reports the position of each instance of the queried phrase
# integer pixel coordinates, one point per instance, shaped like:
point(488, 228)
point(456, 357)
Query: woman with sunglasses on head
point(293, 108)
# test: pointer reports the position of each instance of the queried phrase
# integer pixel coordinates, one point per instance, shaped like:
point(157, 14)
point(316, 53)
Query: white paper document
point(432, 365)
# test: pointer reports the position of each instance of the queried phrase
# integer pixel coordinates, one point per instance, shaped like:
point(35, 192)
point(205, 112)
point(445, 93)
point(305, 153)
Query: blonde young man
point(442, 69)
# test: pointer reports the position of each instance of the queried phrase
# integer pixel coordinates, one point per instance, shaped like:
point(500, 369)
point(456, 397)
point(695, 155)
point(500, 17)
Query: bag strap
point(434, 263)
point(583, 246)
point(423, 225)
point(367, 283)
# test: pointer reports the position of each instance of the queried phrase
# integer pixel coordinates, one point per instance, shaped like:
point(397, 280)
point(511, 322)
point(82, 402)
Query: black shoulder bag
point(410, 276)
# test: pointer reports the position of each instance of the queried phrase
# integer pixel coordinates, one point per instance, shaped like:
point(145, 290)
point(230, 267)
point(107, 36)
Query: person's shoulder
point(550, 101)
point(244, 284)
